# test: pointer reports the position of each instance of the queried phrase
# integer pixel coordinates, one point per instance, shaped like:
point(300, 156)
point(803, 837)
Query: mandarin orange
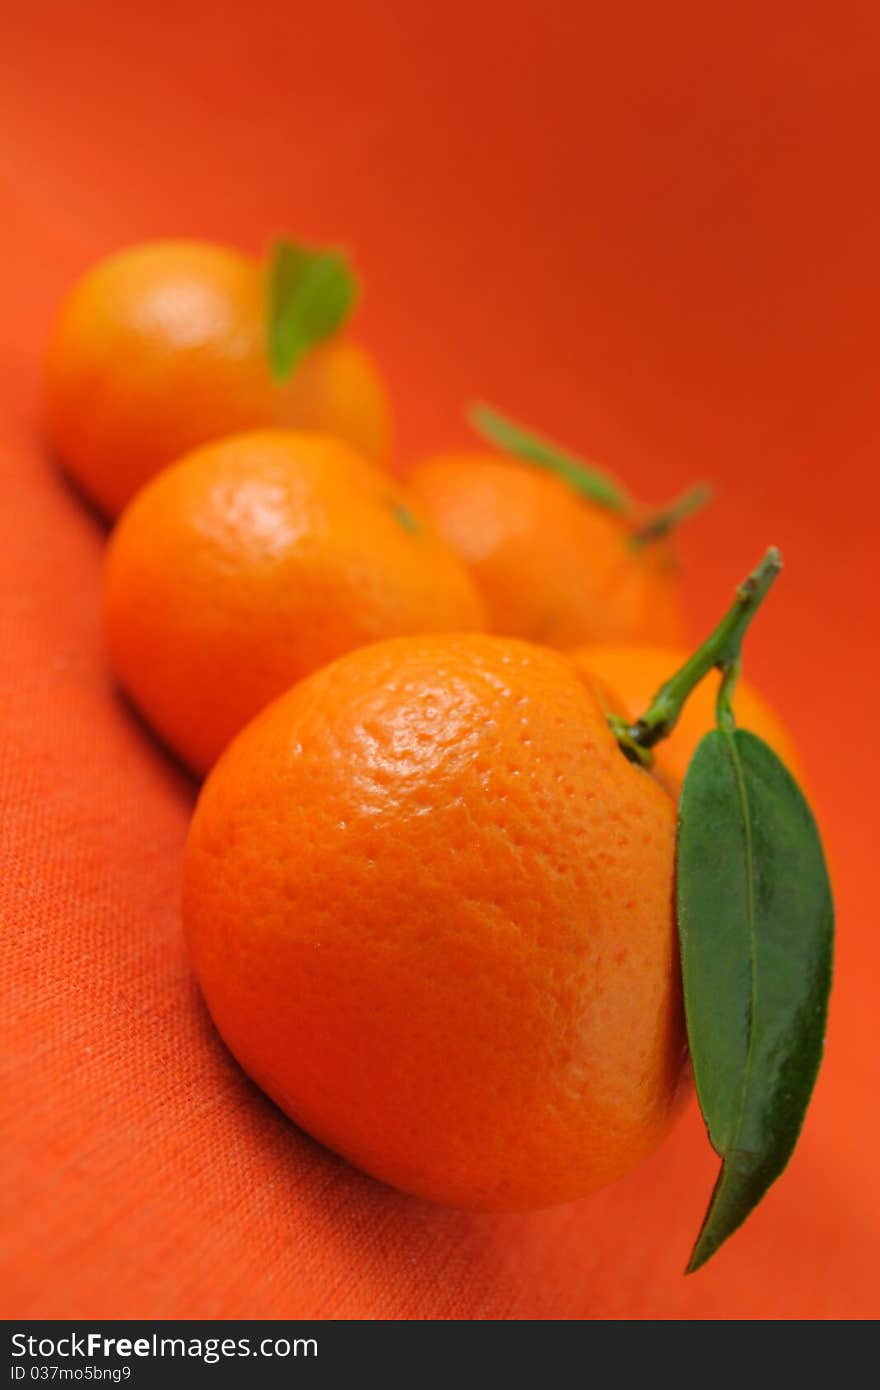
point(256, 559)
point(163, 347)
point(429, 903)
point(551, 566)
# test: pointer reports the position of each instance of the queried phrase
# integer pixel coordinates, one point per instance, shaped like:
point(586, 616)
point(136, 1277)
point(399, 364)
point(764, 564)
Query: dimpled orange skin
point(162, 347)
point(552, 567)
point(636, 672)
point(429, 904)
point(252, 562)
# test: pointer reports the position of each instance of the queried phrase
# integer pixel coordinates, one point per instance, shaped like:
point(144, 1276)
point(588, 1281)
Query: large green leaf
point(311, 294)
point(756, 922)
point(583, 478)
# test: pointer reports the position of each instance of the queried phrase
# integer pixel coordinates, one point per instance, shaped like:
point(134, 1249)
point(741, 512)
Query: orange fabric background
point(651, 230)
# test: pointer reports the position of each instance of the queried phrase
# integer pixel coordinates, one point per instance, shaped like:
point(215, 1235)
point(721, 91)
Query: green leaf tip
point(756, 926)
point(667, 519)
point(312, 291)
point(584, 478)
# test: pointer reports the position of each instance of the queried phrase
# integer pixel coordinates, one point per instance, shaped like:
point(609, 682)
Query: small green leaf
point(311, 294)
point(584, 478)
point(756, 923)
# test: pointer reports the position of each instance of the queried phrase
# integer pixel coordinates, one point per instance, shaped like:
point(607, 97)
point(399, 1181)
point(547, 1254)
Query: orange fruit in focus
point(255, 560)
point(163, 347)
point(635, 673)
point(552, 567)
point(429, 904)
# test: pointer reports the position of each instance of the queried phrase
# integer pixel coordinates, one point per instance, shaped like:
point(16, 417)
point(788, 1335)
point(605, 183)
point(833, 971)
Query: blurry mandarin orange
point(163, 347)
point(635, 672)
point(254, 560)
point(552, 566)
point(429, 903)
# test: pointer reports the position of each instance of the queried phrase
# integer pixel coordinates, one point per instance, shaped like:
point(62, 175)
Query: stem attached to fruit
point(584, 478)
point(667, 518)
point(720, 650)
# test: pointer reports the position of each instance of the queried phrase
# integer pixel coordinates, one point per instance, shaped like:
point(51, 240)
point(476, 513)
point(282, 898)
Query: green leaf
point(756, 924)
point(311, 294)
point(584, 478)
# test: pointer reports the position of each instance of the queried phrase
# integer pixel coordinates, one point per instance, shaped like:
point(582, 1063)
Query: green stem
point(667, 518)
point(583, 478)
point(721, 649)
point(724, 716)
